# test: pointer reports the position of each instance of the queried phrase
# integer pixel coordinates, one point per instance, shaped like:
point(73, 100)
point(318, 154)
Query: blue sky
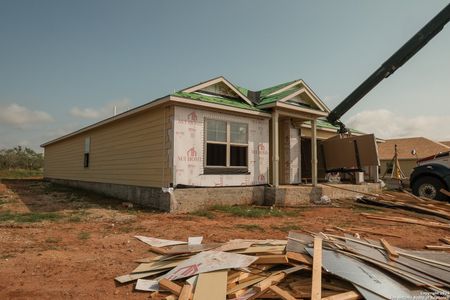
point(65, 64)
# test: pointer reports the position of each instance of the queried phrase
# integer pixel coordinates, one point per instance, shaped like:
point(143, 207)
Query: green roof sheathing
point(278, 96)
point(267, 91)
point(262, 97)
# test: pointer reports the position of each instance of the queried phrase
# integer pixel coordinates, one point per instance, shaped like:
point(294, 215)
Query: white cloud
point(387, 124)
point(20, 116)
point(103, 112)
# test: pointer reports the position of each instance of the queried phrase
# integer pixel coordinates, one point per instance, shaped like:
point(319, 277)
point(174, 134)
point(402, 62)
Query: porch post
point(314, 151)
point(275, 149)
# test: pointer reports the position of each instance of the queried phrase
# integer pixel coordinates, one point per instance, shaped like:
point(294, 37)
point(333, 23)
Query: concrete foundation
point(192, 199)
point(146, 196)
point(292, 196)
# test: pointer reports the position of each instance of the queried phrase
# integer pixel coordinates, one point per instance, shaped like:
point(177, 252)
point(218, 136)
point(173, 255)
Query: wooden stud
point(316, 287)
point(438, 247)
point(445, 192)
point(186, 292)
point(391, 252)
point(298, 257)
point(269, 281)
point(271, 259)
point(282, 293)
point(171, 286)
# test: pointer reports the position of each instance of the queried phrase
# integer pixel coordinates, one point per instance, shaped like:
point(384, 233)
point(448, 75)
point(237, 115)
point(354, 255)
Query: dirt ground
point(61, 243)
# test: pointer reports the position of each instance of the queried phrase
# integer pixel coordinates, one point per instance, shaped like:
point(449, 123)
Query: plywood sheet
point(212, 285)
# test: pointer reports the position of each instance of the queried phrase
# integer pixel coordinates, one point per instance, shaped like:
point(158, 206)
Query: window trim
point(221, 169)
point(86, 152)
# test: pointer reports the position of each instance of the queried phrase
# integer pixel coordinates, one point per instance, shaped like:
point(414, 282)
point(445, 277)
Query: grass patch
point(77, 216)
point(32, 217)
point(84, 235)
point(3, 201)
point(253, 212)
point(6, 256)
point(250, 227)
point(52, 240)
point(20, 173)
point(286, 227)
point(366, 209)
point(203, 213)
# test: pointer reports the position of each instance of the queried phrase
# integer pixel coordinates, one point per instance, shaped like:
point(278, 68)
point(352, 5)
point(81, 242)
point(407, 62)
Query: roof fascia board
point(305, 90)
point(128, 113)
point(295, 108)
point(317, 98)
point(219, 106)
point(215, 81)
point(285, 88)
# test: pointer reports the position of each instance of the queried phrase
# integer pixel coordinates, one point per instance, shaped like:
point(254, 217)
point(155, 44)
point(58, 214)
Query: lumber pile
point(305, 266)
point(407, 201)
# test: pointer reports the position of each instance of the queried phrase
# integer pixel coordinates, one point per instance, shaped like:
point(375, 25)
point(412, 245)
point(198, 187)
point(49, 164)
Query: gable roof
point(215, 81)
point(239, 99)
point(446, 143)
point(424, 147)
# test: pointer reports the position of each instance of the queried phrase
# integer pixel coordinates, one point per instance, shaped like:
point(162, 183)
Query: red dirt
point(79, 255)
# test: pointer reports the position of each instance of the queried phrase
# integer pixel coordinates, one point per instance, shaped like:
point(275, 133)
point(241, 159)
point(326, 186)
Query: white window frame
point(227, 143)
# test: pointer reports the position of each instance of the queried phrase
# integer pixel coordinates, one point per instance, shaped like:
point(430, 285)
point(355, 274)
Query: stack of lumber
point(407, 201)
point(305, 266)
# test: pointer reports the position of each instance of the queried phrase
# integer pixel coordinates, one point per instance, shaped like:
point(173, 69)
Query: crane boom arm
point(411, 47)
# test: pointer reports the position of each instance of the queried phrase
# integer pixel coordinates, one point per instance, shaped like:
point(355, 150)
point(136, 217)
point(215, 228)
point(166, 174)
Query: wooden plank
point(212, 285)
point(269, 281)
point(391, 252)
point(316, 287)
point(438, 247)
point(352, 295)
point(157, 265)
point(445, 192)
point(282, 293)
point(408, 220)
point(422, 259)
point(186, 292)
point(298, 257)
point(445, 240)
point(239, 287)
point(171, 286)
point(131, 277)
point(271, 259)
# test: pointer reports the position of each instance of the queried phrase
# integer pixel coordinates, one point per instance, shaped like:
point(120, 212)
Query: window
point(87, 149)
point(226, 144)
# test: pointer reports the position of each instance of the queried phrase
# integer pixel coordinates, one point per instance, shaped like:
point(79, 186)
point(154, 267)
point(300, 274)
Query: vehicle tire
point(428, 187)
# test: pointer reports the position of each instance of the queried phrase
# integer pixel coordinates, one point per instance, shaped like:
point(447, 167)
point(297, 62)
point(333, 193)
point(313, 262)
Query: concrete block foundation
point(192, 199)
point(146, 196)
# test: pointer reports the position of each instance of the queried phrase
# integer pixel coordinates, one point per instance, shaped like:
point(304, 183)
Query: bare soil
point(87, 239)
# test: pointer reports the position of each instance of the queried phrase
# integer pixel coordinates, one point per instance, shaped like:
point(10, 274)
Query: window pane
point(216, 131)
point(239, 133)
point(216, 155)
point(238, 156)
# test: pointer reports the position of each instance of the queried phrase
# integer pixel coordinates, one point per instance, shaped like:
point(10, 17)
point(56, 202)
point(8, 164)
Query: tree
point(21, 158)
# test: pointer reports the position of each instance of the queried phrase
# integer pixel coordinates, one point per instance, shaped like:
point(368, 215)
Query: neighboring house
point(423, 147)
point(213, 134)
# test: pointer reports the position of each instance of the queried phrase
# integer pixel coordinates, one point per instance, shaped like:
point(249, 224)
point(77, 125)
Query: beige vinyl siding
point(407, 166)
point(132, 151)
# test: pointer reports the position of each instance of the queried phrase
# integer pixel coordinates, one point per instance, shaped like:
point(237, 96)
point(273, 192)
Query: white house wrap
point(189, 150)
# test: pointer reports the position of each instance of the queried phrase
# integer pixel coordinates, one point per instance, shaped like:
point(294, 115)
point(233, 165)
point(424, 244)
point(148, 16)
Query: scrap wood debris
point(305, 266)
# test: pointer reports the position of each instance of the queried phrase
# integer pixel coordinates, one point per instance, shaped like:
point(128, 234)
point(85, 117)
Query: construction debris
point(305, 266)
